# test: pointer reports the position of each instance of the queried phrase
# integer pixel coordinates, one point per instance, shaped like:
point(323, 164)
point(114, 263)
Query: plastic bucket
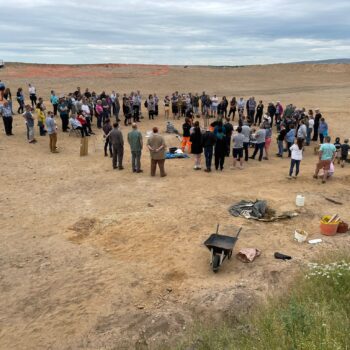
point(328, 229)
point(300, 235)
point(300, 200)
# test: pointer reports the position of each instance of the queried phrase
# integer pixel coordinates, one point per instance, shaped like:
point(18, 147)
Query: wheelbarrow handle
point(239, 231)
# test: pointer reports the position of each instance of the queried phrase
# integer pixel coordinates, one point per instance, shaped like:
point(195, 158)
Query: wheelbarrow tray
point(216, 241)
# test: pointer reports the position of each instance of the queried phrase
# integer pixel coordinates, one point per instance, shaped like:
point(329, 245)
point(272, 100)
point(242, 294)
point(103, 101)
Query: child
point(296, 157)
point(344, 152)
point(41, 119)
point(337, 145)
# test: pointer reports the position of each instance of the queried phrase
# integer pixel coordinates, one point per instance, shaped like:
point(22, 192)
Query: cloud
point(174, 32)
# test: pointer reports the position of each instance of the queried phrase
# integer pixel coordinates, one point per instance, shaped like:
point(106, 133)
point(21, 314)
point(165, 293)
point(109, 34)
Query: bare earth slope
point(93, 258)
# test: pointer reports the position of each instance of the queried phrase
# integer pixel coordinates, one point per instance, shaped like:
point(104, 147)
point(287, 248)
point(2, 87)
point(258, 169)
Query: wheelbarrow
point(221, 247)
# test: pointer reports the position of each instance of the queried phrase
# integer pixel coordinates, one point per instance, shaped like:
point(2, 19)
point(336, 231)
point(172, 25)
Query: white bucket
point(300, 235)
point(300, 200)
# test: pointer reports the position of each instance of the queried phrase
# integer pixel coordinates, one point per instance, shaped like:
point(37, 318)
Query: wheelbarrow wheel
point(229, 255)
point(216, 263)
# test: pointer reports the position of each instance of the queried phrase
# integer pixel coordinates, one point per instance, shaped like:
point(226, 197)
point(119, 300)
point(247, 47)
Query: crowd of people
point(295, 128)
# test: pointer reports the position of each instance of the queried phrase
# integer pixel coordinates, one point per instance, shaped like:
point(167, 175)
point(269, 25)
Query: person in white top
point(214, 105)
point(296, 157)
point(309, 129)
point(32, 94)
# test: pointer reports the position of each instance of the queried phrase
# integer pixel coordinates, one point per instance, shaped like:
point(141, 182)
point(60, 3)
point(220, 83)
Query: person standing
point(209, 140)
point(296, 157)
point(310, 127)
point(246, 133)
point(220, 148)
point(99, 113)
point(54, 102)
point(186, 127)
point(233, 108)
point(20, 100)
point(196, 140)
point(63, 111)
point(136, 145)
point(327, 155)
point(237, 151)
point(323, 129)
point(28, 117)
point(214, 106)
point(8, 97)
point(85, 108)
point(52, 131)
point(195, 103)
point(280, 140)
point(117, 140)
point(260, 136)
point(32, 94)
point(166, 107)
point(228, 135)
point(268, 138)
point(151, 107)
point(156, 146)
point(344, 152)
point(6, 113)
point(241, 106)
point(107, 128)
point(302, 131)
point(290, 137)
point(136, 104)
point(251, 109)
point(271, 111)
point(117, 107)
point(318, 117)
point(259, 113)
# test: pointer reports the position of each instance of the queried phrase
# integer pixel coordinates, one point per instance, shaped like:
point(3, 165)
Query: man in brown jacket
point(156, 146)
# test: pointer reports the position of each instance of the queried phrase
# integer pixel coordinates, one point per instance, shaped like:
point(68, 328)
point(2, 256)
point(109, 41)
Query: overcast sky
point(225, 32)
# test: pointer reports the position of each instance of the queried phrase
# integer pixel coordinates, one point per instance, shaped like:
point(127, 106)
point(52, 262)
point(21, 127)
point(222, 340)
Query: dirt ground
point(94, 258)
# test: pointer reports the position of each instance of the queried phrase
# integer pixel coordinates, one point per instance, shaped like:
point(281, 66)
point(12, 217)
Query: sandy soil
point(93, 258)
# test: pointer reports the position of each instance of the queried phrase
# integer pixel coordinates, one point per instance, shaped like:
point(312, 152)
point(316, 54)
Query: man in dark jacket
point(117, 141)
point(209, 140)
point(271, 111)
point(228, 131)
point(318, 117)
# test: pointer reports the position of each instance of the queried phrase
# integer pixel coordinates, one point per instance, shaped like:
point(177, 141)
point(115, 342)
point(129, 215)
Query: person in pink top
point(99, 113)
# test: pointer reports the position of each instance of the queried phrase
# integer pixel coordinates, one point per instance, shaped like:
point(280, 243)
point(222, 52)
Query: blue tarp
point(176, 155)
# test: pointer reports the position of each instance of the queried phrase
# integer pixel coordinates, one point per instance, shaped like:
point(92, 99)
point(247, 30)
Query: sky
point(183, 32)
